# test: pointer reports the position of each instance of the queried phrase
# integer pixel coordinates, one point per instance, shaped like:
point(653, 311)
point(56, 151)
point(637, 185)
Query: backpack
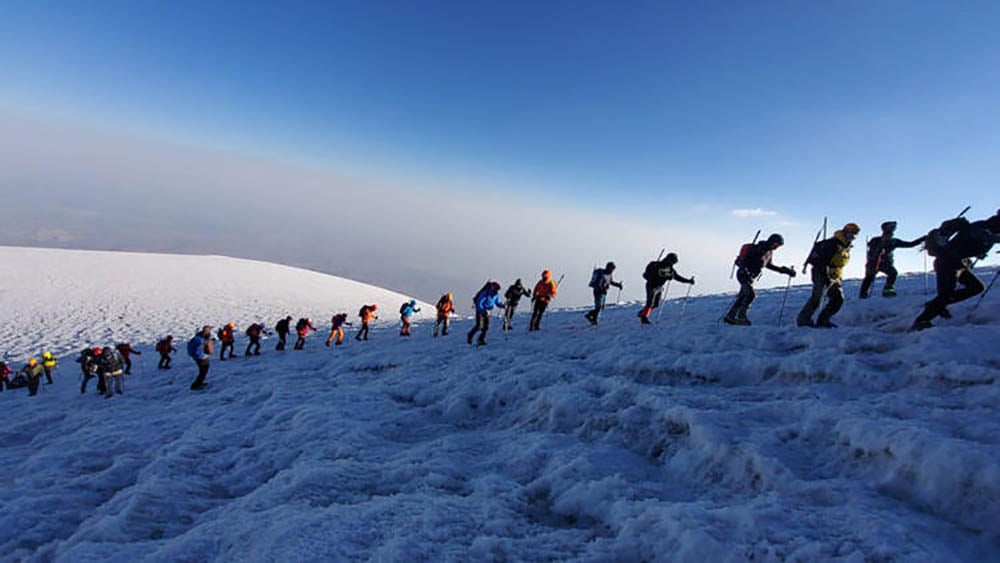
point(194, 347)
point(479, 294)
point(937, 239)
point(301, 324)
point(814, 253)
point(744, 249)
point(219, 333)
point(161, 346)
point(362, 310)
point(596, 277)
point(403, 307)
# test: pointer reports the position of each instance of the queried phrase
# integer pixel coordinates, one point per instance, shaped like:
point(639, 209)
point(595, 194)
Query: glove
point(692, 281)
point(789, 271)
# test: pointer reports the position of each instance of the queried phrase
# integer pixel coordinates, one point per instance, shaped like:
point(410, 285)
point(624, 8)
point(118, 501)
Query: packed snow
point(687, 440)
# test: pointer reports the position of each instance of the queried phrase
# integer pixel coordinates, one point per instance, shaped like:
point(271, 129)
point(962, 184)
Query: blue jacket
point(408, 310)
point(196, 347)
point(487, 301)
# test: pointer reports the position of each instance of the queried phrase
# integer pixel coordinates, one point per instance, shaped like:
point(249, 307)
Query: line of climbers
point(953, 245)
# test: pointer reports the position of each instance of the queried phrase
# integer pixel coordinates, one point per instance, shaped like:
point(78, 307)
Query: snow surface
point(687, 440)
point(65, 299)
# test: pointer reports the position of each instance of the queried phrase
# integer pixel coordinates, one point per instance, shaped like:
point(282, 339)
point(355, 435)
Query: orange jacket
point(367, 314)
point(227, 334)
point(445, 308)
point(545, 290)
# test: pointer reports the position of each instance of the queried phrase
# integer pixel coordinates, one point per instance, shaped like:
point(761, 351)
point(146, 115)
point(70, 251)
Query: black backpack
point(596, 278)
point(301, 324)
point(744, 249)
point(475, 299)
point(362, 310)
point(937, 239)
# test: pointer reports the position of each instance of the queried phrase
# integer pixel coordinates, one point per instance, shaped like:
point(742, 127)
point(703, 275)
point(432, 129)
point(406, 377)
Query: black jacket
point(757, 258)
point(281, 327)
point(659, 272)
point(514, 294)
point(880, 250)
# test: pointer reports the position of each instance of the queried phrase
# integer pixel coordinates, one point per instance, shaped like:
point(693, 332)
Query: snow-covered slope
point(64, 299)
point(684, 441)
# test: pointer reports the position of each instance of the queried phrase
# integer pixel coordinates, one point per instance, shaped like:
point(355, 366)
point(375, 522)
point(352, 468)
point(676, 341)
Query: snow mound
point(64, 299)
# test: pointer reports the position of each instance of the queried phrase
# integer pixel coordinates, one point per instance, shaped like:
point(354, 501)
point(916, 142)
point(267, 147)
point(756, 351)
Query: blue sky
point(649, 111)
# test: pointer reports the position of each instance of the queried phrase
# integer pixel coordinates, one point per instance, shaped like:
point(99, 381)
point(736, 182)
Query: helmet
point(852, 228)
point(231, 325)
point(776, 239)
point(413, 302)
point(33, 361)
point(449, 296)
point(518, 282)
point(98, 350)
point(889, 226)
point(546, 274)
point(46, 355)
point(610, 266)
point(170, 337)
point(671, 258)
point(374, 307)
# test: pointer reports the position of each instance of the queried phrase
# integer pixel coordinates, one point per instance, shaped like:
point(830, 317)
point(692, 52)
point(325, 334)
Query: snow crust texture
point(687, 440)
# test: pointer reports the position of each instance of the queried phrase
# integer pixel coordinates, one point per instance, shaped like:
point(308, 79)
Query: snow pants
point(404, 329)
point(282, 337)
point(253, 345)
point(482, 326)
point(949, 273)
point(337, 335)
point(508, 314)
point(114, 377)
point(164, 361)
point(872, 270)
point(362, 332)
point(227, 345)
point(834, 291)
point(745, 298)
point(48, 374)
point(537, 310)
point(33, 383)
point(203, 365)
point(443, 323)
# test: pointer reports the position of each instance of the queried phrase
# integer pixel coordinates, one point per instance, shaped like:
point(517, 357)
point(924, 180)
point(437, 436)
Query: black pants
point(48, 374)
point(203, 365)
point(834, 290)
point(231, 345)
point(949, 273)
point(281, 340)
point(362, 332)
point(33, 385)
point(508, 314)
point(745, 298)
point(255, 344)
point(127, 363)
point(536, 314)
point(442, 323)
point(164, 361)
point(872, 270)
point(300, 342)
point(482, 326)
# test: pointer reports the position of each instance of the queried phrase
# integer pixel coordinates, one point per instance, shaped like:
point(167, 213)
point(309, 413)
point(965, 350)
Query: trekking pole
point(926, 275)
point(663, 300)
point(781, 312)
point(685, 302)
point(982, 296)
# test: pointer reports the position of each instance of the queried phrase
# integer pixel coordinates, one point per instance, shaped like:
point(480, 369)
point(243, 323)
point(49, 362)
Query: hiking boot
point(805, 322)
point(825, 323)
point(736, 321)
point(469, 338)
point(645, 320)
point(944, 313)
point(888, 292)
point(920, 325)
point(481, 343)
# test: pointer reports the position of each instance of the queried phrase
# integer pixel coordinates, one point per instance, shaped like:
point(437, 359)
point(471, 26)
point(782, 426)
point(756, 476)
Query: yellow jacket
point(840, 257)
point(48, 360)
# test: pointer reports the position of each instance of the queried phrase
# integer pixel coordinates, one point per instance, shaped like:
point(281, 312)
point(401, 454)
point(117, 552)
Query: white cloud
point(754, 212)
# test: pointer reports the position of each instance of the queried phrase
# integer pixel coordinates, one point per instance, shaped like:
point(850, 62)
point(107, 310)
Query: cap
point(610, 266)
point(776, 239)
point(852, 228)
